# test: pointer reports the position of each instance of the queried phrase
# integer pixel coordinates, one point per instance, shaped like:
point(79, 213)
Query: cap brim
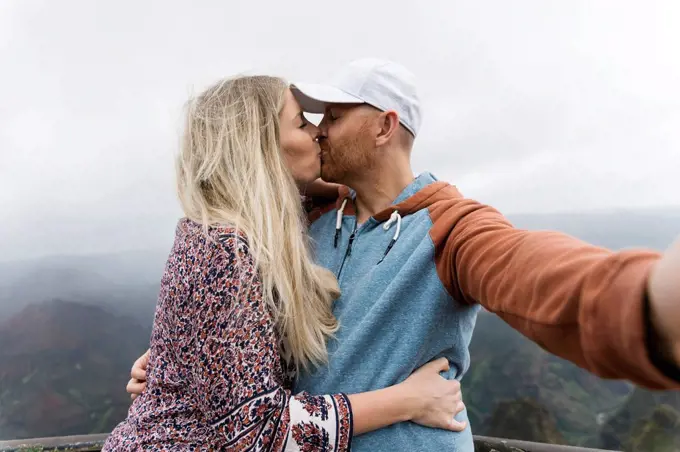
point(315, 98)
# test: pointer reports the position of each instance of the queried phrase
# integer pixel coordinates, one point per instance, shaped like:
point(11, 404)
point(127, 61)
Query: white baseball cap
point(383, 84)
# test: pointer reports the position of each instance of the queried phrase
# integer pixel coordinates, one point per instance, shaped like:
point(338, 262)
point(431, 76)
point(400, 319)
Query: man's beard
point(338, 168)
point(329, 173)
point(345, 160)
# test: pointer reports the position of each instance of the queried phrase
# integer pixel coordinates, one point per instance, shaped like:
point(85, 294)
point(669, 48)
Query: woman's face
point(298, 142)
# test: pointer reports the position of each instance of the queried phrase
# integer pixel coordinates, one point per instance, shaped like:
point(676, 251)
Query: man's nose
point(321, 137)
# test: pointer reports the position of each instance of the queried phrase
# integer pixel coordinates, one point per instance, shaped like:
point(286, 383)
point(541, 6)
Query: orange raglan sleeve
point(580, 302)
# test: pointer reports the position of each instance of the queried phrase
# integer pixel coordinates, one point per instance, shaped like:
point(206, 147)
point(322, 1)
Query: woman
point(242, 305)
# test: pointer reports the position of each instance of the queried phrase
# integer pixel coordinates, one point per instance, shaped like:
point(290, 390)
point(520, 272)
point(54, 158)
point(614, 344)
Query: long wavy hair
point(230, 171)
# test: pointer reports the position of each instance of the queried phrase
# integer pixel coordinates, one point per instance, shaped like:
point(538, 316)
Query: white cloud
point(530, 105)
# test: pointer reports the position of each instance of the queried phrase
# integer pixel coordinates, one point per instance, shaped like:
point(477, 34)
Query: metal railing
point(94, 443)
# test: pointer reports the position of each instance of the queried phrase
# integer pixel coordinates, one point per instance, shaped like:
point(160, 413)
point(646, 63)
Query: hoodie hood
point(424, 191)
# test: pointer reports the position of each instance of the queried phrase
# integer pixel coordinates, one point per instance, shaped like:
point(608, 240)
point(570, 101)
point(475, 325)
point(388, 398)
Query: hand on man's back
point(137, 383)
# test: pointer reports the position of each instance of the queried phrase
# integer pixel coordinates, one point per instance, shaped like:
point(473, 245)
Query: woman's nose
point(314, 132)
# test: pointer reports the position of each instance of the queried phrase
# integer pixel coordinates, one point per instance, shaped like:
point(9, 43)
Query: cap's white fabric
point(383, 84)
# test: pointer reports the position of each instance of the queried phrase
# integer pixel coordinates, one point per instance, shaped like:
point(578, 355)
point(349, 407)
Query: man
point(415, 260)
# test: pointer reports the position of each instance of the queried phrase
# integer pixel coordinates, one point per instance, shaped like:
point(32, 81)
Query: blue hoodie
point(395, 313)
point(413, 277)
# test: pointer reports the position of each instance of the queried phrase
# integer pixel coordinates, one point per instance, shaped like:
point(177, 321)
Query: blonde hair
point(230, 171)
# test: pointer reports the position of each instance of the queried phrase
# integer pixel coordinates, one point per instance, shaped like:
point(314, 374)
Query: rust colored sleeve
point(580, 302)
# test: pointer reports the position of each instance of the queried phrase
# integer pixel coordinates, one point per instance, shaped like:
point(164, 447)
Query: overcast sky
point(530, 105)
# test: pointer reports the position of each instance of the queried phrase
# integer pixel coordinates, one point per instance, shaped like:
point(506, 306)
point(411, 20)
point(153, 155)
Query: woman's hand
point(137, 383)
point(321, 189)
point(436, 400)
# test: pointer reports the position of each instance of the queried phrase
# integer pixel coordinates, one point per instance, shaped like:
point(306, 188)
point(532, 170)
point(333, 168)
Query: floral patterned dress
point(217, 379)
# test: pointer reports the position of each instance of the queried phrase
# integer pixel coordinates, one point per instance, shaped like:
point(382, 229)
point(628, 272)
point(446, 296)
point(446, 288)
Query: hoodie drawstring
point(395, 217)
point(338, 222)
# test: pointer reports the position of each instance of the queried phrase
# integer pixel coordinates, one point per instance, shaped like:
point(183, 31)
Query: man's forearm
point(583, 303)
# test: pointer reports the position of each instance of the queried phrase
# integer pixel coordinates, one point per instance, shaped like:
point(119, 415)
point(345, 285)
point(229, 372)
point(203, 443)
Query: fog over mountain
point(70, 326)
point(127, 281)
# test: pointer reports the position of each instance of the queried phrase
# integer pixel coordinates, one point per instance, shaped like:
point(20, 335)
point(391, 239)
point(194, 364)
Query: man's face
point(347, 142)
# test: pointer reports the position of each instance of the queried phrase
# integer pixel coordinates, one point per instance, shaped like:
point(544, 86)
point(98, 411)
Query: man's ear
point(388, 123)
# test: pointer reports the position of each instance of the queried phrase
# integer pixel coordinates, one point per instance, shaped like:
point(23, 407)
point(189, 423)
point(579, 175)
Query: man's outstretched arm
point(601, 310)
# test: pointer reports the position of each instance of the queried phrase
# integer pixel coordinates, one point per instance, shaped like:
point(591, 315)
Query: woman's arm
point(376, 409)
point(425, 398)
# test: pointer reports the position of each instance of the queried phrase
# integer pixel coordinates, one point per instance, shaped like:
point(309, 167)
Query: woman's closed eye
point(303, 121)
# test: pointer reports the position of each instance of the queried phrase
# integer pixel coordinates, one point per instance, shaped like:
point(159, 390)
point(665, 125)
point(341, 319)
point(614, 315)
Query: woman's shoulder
point(213, 239)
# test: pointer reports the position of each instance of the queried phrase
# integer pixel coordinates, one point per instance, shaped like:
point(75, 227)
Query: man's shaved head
point(355, 138)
